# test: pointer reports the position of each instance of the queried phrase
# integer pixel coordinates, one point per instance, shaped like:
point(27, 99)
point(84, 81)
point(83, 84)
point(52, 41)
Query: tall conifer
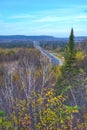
point(71, 41)
point(69, 50)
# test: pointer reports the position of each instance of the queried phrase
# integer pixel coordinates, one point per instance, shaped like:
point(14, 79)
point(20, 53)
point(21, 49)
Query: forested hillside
point(35, 95)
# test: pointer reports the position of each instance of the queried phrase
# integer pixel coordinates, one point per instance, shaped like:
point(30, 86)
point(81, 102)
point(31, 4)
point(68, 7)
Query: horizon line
point(42, 35)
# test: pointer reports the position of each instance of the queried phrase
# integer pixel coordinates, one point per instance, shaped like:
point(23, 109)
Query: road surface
point(53, 59)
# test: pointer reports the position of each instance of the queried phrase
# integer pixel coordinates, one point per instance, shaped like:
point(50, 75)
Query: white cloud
point(82, 17)
point(54, 19)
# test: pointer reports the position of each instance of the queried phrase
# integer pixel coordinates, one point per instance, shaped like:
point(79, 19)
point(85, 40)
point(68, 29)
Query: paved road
point(53, 59)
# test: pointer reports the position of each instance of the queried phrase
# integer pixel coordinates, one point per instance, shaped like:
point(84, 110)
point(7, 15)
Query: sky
point(46, 17)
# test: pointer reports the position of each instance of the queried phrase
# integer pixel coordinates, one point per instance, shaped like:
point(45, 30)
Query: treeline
point(16, 44)
point(8, 55)
point(52, 45)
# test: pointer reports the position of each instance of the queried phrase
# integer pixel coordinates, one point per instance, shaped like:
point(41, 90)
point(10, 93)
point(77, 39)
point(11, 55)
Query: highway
point(53, 59)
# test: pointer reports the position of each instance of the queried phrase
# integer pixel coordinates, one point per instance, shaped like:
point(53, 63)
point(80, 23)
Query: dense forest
point(35, 95)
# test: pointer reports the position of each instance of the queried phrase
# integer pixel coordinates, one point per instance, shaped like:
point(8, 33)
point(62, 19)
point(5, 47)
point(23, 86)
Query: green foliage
point(69, 54)
point(69, 69)
point(71, 41)
point(4, 122)
point(1, 113)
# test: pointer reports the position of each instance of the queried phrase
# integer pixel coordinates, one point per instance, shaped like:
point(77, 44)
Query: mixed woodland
point(35, 95)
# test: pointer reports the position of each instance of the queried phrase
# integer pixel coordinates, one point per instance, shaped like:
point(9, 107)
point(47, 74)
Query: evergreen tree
point(69, 50)
point(71, 41)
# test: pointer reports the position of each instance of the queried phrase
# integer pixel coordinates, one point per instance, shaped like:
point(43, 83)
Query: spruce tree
point(71, 41)
point(69, 50)
point(68, 69)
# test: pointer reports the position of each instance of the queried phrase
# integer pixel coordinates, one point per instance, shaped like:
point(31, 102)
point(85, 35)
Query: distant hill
point(25, 38)
point(9, 38)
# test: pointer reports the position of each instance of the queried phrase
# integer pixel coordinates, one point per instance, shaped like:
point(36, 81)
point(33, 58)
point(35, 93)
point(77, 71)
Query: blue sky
point(47, 17)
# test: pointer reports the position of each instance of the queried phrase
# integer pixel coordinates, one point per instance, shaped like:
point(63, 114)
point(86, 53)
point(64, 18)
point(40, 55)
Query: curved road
point(53, 59)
